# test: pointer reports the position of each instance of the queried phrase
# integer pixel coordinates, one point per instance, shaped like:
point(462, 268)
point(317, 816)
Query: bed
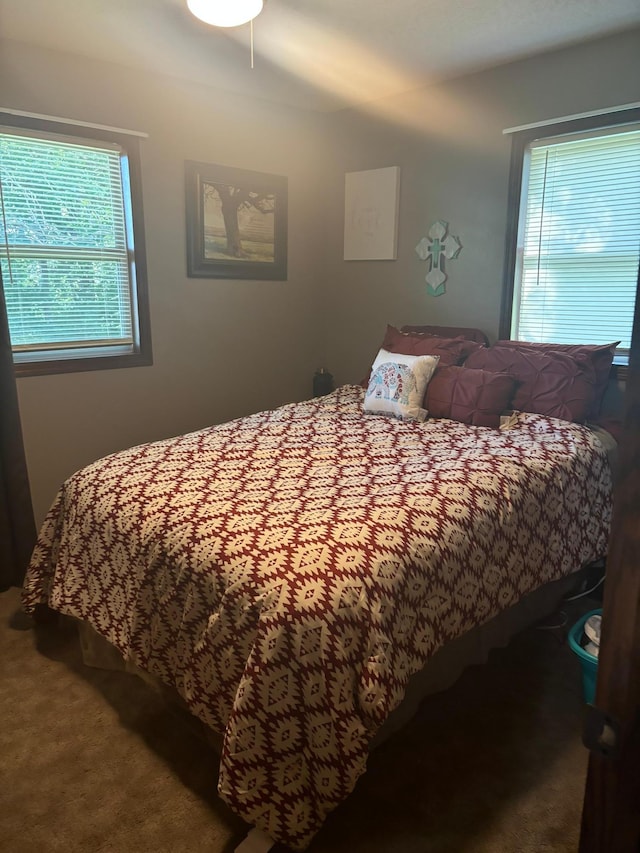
point(288, 573)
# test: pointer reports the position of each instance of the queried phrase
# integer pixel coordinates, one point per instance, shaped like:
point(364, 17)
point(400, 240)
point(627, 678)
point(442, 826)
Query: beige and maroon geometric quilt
point(287, 572)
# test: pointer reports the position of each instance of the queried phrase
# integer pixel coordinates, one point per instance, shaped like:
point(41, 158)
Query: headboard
point(468, 334)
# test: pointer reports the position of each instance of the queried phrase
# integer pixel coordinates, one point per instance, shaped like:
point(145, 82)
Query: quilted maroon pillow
point(475, 397)
point(549, 383)
point(600, 356)
point(450, 350)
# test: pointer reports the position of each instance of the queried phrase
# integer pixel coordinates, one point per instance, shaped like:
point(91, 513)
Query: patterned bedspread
point(287, 572)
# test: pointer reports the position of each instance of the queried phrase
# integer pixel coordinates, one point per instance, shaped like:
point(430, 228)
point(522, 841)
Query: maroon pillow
point(466, 332)
point(450, 350)
point(475, 397)
point(600, 356)
point(549, 383)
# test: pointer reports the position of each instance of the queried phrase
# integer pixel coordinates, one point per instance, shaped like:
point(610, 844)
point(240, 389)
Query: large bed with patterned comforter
point(288, 572)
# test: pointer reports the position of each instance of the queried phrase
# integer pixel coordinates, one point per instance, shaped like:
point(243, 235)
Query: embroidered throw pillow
point(397, 384)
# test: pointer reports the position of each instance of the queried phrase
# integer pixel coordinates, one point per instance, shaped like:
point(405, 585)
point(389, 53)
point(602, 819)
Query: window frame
point(519, 143)
point(141, 354)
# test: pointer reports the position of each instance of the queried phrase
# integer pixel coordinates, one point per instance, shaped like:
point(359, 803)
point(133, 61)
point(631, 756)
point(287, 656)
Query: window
point(573, 246)
point(72, 247)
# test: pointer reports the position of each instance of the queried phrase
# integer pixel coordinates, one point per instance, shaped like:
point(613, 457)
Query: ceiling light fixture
point(225, 13)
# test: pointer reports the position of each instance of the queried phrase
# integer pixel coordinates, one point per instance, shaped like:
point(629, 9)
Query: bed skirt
point(441, 671)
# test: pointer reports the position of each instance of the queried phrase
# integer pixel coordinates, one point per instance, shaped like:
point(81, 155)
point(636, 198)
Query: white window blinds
point(579, 239)
point(64, 244)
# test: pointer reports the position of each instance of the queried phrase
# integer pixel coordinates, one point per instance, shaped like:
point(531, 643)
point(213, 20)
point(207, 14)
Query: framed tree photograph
point(236, 223)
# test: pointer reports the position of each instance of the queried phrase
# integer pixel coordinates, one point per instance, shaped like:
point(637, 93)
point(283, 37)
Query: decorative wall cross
point(434, 248)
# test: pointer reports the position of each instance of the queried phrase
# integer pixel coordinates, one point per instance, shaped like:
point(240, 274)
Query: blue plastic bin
point(588, 662)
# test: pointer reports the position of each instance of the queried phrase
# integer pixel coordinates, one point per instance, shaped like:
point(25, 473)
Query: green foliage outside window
point(63, 244)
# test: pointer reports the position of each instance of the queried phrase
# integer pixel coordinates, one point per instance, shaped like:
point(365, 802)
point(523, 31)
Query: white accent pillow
point(397, 384)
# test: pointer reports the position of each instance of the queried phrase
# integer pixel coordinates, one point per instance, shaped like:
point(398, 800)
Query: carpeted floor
point(94, 761)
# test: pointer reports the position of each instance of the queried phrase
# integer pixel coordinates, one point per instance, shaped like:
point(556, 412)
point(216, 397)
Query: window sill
point(81, 365)
point(620, 369)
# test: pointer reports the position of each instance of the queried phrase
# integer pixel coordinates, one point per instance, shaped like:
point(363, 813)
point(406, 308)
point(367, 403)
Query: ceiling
point(316, 54)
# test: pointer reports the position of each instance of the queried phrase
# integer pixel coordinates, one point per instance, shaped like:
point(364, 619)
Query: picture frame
point(236, 223)
point(372, 199)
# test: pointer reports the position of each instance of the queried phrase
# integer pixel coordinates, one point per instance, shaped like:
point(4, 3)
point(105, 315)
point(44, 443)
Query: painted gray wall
point(454, 162)
point(221, 349)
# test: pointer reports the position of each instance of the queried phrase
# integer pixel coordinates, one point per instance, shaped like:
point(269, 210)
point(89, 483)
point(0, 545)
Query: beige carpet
point(94, 761)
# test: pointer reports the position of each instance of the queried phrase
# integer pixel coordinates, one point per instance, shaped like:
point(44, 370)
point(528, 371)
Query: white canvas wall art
point(371, 214)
